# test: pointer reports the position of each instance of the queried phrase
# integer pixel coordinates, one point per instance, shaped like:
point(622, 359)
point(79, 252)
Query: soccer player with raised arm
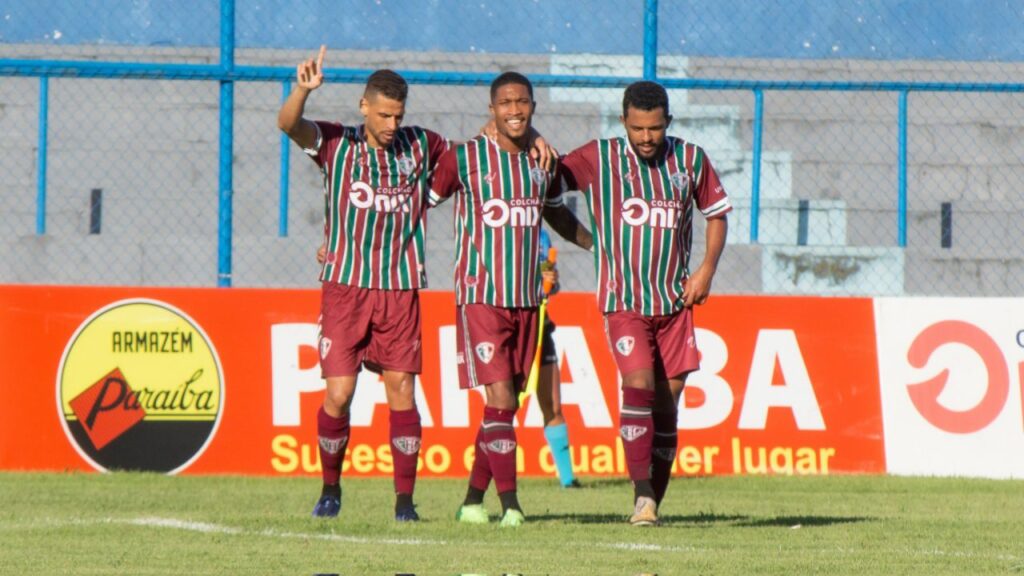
point(500, 194)
point(641, 191)
point(375, 187)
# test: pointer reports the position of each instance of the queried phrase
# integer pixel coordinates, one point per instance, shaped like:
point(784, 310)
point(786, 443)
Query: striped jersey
point(499, 197)
point(375, 205)
point(642, 218)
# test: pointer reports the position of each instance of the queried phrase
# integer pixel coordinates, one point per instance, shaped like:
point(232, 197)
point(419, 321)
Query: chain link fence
point(869, 147)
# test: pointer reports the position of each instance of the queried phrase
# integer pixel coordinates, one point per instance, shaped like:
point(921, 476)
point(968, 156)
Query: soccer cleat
point(512, 519)
point(645, 513)
point(407, 514)
point(574, 484)
point(327, 506)
point(472, 514)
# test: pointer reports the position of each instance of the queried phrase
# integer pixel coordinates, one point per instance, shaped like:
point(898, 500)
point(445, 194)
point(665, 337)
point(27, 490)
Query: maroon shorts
point(378, 328)
point(494, 344)
point(665, 344)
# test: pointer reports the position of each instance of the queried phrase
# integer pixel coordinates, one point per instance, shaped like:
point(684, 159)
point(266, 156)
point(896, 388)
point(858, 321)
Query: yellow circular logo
point(140, 387)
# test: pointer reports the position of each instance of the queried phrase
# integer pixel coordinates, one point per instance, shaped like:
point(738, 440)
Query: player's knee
point(643, 379)
point(337, 400)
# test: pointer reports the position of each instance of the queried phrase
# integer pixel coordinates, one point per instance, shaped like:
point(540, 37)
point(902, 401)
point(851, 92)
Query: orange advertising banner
point(210, 381)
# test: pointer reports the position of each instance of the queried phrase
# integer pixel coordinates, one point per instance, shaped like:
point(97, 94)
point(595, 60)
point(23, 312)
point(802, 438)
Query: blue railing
point(227, 73)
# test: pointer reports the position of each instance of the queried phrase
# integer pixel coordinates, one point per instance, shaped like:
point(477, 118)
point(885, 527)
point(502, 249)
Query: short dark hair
point(510, 78)
point(387, 83)
point(645, 95)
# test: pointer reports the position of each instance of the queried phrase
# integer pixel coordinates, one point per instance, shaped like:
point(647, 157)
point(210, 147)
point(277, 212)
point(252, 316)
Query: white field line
point(208, 528)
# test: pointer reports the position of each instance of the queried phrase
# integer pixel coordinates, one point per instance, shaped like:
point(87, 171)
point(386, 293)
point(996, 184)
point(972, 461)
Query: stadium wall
point(208, 381)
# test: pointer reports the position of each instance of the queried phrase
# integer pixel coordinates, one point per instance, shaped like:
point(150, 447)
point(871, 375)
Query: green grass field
point(127, 523)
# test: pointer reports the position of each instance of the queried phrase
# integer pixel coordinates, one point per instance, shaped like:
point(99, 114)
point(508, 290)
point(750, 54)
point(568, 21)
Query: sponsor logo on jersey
point(332, 445)
point(485, 352)
point(136, 375)
point(407, 445)
point(631, 432)
point(654, 214)
point(390, 199)
point(325, 347)
point(501, 446)
point(625, 345)
point(498, 212)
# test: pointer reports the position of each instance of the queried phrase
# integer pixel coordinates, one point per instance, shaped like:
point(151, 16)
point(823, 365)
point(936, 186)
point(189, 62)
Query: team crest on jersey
point(501, 446)
point(485, 352)
point(406, 165)
point(631, 432)
point(325, 347)
point(332, 445)
point(680, 181)
point(538, 175)
point(407, 445)
point(666, 454)
point(625, 345)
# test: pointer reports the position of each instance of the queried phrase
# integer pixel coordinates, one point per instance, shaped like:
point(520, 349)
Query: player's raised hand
point(310, 74)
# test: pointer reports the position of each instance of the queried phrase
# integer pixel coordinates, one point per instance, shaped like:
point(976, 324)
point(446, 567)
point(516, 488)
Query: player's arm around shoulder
point(445, 179)
point(577, 169)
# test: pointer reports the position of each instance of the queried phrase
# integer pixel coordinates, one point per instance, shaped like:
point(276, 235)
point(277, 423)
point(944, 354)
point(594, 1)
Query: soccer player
point(375, 183)
point(548, 394)
point(501, 193)
point(375, 186)
point(641, 190)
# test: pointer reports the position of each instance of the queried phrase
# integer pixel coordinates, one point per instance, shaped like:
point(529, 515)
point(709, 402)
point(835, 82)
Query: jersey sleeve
point(437, 145)
point(328, 135)
point(577, 170)
point(445, 180)
point(711, 198)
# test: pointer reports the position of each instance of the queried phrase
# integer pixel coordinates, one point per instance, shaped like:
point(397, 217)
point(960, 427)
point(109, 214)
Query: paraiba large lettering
point(717, 394)
point(584, 389)
point(796, 393)
point(289, 380)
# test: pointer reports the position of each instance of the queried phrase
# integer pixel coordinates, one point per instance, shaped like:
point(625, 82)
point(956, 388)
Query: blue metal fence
point(227, 73)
